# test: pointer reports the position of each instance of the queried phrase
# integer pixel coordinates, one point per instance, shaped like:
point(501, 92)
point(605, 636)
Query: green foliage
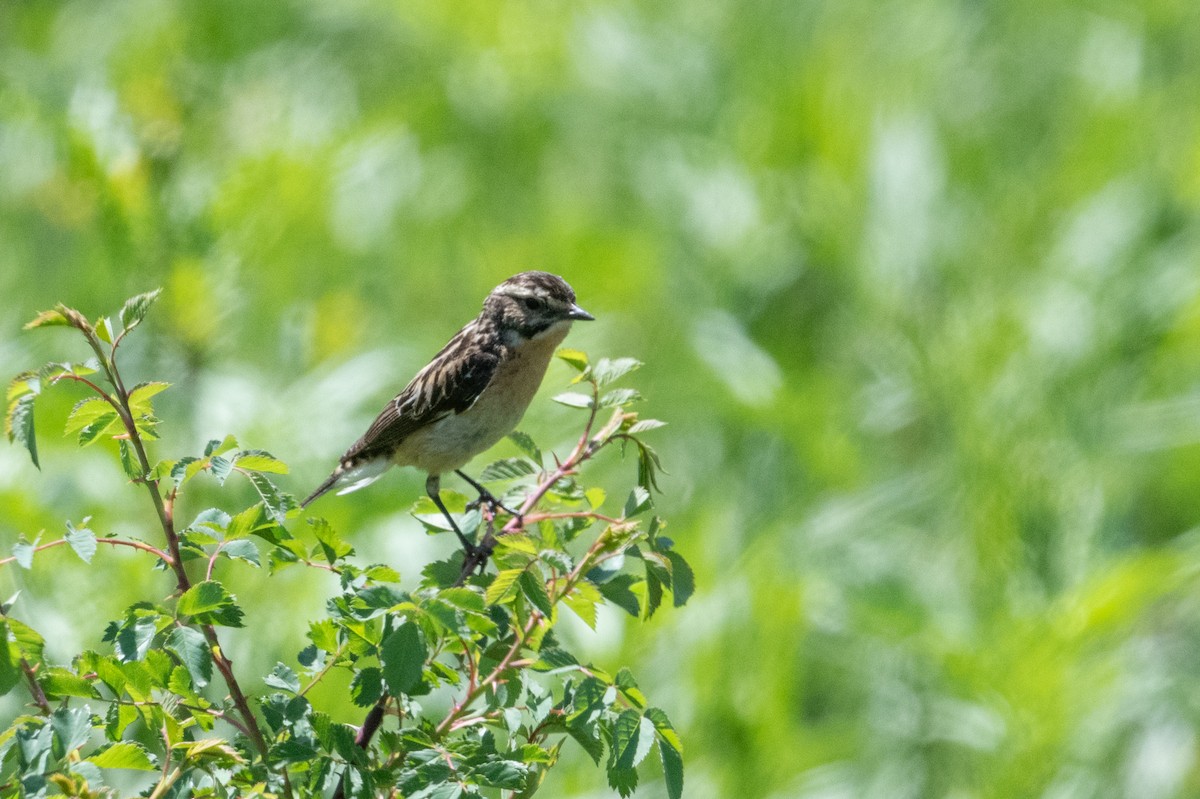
point(162, 697)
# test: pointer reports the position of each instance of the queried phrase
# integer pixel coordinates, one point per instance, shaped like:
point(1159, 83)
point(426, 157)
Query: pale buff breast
point(449, 443)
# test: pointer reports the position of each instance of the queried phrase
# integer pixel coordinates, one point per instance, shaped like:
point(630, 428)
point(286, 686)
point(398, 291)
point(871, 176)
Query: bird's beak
point(578, 314)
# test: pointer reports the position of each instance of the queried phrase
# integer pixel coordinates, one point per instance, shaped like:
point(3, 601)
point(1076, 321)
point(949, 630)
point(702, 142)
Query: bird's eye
point(534, 303)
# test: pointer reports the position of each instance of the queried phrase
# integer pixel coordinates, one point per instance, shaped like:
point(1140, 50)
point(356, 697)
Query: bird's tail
point(329, 483)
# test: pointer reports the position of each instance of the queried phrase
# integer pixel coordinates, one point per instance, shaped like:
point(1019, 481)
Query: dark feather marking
point(449, 384)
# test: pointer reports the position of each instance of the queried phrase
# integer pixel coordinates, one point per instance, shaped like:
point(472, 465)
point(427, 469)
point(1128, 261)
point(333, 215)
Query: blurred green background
point(916, 286)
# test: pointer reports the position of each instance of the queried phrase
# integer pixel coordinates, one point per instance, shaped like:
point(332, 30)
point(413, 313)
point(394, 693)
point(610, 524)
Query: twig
point(116, 542)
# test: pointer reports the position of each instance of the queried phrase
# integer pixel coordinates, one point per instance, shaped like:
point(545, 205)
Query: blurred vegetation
point(916, 285)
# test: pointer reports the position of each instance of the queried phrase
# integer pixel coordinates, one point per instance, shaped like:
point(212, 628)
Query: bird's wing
point(449, 384)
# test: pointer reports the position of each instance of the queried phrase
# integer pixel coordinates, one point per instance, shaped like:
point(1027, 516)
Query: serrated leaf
point(576, 358)
point(633, 737)
point(242, 549)
point(672, 766)
point(276, 502)
point(683, 580)
point(132, 638)
point(583, 600)
point(645, 424)
point(607, 370)
point(502, 585)
point(129, 463)
point(139, 397)
point(209, 603)
point(617, 590)
point(72, 727)
point(324, 635)
point(103, 329)
point(283, 678)
point(10, 673)
point(505, 774)
point(123, 755)
point(508, 469)
point(637, 502)
point(18, 424)
point(58, 682)
point(534, 589)
point(367, 687)
point(623, 780)
point(257, 460)
point(82, 541)
point(135, 309)
point(402, 655)
point(526, 444)
point(23, 551)
point(333, 546)
point(573, 400)
point(464, 599)
point(619, 397)
point(51, 318)
point(193, 651)
point(87, 412)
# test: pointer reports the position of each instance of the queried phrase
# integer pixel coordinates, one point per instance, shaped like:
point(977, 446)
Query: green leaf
point(72, 727)
point(103, 329)
point(502, 585)
point(242, 549)
point(87, 412)
point(620, 396)
point(583, 601)
point(633, 736)
point(638, 501)
point(617, 590)
point(574, 400)
point(508, 469)
point(123, 755)
point(276, 502)
point(139, 398)
point(683, 580)
point(82, 541)
point(672, 765)
point(18, 424)
point(664, 729)
point(283, 678)
point(58, 682)
point(607, 370)
point(367, 687)
point(193, 651)
point(256, 460)
point(623, 780)
point(644, 425)
point(332, 544)
point(209, 603)
point(629, 688)
point(526, 444)
point(323, 634)
point(23, 551)
point(135, 309)
point(129, 463)
point(576, 358)
point(132, 638)
point(402, 655)
point(505, 774)
point(464, 599)
point(534, 588)
point(10, 672)
point(52, 318)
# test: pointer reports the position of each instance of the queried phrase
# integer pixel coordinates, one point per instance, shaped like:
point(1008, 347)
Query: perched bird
point(471, 395)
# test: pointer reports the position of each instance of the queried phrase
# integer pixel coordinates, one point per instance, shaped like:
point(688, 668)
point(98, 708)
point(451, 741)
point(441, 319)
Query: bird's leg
point(432, 488)
point(490, 498)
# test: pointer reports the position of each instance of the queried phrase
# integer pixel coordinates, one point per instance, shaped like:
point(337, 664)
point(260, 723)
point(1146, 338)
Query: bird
point(472, 394)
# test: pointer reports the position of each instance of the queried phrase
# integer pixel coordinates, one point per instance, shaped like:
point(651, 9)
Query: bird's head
point(532, 303)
